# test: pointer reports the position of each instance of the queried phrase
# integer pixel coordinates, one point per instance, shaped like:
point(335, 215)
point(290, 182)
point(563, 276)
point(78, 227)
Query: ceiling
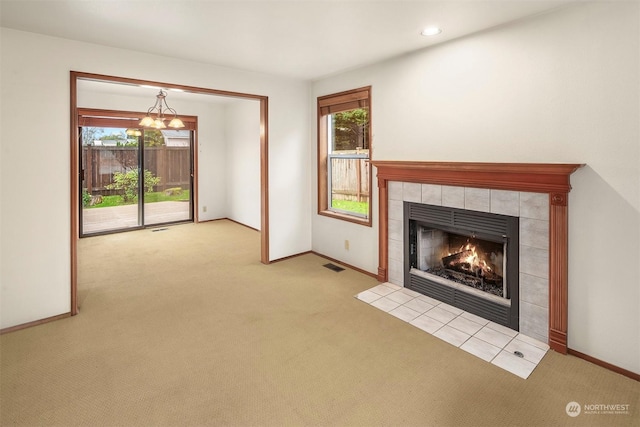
point(299, 39)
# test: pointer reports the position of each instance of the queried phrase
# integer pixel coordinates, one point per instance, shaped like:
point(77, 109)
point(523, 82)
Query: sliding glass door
point(109, 181)
point(167, 166)
point(132, 178)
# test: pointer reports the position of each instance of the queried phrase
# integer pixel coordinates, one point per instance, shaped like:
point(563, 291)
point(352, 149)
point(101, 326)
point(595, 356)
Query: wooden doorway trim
point(75, 162)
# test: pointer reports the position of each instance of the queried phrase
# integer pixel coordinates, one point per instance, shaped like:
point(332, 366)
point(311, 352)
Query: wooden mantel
point(533, 177)
point(549, 178)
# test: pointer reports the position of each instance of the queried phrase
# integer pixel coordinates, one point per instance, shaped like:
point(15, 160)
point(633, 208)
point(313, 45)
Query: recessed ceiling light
point(431, 31)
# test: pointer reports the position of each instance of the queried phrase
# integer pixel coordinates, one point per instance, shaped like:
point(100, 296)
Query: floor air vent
point(334, 267)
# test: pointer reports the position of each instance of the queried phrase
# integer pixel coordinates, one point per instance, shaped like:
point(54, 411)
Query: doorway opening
point(189, 95)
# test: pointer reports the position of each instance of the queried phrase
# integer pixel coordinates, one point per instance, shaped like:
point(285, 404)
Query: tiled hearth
point(531, 208)
point(496, 344)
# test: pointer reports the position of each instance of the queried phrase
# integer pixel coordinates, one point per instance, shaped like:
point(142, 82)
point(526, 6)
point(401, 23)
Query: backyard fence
point(350, 179)
point(350, 176)
point(171, 164)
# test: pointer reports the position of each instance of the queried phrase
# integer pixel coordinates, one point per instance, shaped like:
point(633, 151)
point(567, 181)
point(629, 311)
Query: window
point(344, 146)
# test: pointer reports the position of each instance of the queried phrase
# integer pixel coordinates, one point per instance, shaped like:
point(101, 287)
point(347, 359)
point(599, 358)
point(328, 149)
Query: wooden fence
point(350, 179)
point(171, 164)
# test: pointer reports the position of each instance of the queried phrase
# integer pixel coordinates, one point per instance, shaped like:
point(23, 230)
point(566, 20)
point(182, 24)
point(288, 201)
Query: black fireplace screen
point(464, 258)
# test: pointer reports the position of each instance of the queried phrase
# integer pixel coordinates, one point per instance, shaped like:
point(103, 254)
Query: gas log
point(458, 258)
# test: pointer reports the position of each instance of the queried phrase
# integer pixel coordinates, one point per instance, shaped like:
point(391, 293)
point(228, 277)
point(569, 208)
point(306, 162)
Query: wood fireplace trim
point(550, 178)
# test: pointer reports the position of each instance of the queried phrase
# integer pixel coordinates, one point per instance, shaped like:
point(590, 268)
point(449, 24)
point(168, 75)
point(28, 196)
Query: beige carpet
point(186, 327)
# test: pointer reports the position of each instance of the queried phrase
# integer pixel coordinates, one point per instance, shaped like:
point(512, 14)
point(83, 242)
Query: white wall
point(242, 136)
point(34, 178)
point(560, 87)
point(212, 168)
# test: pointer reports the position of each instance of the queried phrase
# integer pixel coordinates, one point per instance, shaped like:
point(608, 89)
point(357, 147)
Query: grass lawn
point(160, 196)
point(156, 196)
point(349, 206)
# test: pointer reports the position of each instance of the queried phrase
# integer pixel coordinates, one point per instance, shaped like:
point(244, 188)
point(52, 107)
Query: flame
point(473, 259)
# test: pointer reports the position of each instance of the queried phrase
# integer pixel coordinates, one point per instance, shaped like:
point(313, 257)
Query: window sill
point(346, 217)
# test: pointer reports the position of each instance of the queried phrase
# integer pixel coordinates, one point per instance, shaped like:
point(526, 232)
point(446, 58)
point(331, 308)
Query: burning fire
point(473, 259)
point(469, 259)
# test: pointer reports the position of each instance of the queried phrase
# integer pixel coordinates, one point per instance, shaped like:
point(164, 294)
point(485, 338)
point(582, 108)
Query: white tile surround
point(531, 208)
point(487, 340)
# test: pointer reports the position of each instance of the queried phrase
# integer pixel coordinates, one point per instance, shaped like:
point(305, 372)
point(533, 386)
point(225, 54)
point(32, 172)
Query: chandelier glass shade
point(156, 114)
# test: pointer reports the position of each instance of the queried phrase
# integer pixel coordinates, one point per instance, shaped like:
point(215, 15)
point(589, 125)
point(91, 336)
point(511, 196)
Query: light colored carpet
point(186, 327)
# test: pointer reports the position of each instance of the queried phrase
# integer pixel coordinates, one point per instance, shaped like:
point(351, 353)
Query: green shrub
point(86, 198)
point(127, 182)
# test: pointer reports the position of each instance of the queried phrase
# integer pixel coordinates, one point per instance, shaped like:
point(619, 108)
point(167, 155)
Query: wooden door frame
point(75, 162)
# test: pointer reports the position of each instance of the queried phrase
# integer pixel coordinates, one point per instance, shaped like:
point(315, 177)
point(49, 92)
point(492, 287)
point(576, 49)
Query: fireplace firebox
point(464, 258)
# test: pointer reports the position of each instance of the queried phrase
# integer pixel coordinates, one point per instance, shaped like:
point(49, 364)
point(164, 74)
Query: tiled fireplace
point(531, 208)
point(534, 194)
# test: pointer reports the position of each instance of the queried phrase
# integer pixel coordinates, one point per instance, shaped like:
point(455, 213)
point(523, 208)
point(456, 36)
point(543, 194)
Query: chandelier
point(158, 110)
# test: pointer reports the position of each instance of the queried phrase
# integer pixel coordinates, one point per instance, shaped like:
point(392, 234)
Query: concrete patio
point(98, 220)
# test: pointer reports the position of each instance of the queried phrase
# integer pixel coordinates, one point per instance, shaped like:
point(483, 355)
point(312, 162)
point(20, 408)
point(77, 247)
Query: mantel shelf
point(534, 177)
